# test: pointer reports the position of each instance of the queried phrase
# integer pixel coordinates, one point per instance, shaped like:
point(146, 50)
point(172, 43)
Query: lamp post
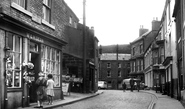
point(84, 47)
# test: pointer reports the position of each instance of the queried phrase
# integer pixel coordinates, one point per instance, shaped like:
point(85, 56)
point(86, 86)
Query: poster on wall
point(65, 87)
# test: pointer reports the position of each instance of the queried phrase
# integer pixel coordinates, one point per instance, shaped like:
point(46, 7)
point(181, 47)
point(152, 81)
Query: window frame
point(22, 3)
point(47, 5)
point(70, 20)
point(15, 70)
point(108, 65)
point(108, 73)
point(50, 64)
point(119, 73)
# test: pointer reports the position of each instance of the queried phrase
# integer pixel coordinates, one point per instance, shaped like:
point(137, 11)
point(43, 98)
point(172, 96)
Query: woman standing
point(49, 91)
point(41, 83)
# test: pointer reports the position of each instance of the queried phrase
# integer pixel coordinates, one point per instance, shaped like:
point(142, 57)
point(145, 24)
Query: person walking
point(41, 83)
point(124, 86)
point(131, 84)
point(49, 90)
point(138, 86)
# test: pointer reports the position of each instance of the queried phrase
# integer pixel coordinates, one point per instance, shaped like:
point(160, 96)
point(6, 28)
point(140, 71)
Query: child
point(50, 91)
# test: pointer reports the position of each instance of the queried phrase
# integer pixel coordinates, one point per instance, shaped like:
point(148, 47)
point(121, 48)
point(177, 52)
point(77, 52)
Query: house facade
point(178, 14)
point(138, 48)
point(170, 59)
point(161, 57)
point(153, 59)
point(33, 35)
point(114, 67)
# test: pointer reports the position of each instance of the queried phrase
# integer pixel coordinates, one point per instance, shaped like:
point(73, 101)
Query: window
point(22, 3)
point(34, 47)
point(141, 48)
point(155, 57)
point(138, 65)
point(134, 66)
point(51, 63)
point(70, 20)
point(75, 25)
point(47, 10)
point(108, 74)
point(141, 65)
point(131, 68)
point(162, 54)
point(108, 65)
point(13, 63)
point(119, 73)
point(133, 51)
point(119, 65)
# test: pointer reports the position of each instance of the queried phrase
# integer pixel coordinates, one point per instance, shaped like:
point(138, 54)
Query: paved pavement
point(68, 99)
point(159, 101)
point(164, 101)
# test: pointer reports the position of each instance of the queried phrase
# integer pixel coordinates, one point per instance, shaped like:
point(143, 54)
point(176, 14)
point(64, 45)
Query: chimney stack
point(92, 30)
point(142, 30)
point(155, 24)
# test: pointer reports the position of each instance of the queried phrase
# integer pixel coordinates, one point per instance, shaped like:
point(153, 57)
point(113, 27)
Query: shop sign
point(36, 38)
point(65, 87)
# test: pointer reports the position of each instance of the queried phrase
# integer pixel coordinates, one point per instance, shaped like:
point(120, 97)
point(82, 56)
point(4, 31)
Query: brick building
point(138, 48)
point(114, 65)
point(35, 32)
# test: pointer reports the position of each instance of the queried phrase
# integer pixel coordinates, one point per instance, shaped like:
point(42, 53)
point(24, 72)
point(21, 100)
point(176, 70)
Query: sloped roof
point(146, 33)
point(113, 56)
point(124, 48)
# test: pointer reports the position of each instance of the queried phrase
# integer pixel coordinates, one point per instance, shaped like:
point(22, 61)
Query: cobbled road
point(114, 99)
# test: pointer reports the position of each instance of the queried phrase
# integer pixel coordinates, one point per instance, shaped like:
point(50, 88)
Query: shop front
point(24, 53)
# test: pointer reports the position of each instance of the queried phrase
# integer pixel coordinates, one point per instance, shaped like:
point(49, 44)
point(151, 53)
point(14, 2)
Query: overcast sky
point(117, 21)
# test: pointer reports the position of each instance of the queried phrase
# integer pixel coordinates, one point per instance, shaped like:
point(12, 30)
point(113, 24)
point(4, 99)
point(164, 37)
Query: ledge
point(48, 24)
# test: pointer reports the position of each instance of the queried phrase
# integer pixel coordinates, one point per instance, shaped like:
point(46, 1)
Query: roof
point(121, 48)
point(113, 56)
point(140, 37)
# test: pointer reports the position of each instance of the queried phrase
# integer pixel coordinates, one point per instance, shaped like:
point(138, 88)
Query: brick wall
point(60, 13)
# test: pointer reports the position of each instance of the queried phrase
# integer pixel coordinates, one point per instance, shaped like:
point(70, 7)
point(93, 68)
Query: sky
point(118, 21)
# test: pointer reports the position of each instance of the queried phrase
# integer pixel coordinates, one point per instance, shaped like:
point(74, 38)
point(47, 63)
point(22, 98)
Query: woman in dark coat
point(124, 86)
point(41, 83)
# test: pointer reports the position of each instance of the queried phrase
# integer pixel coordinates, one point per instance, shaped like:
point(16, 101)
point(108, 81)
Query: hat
point(41, 74)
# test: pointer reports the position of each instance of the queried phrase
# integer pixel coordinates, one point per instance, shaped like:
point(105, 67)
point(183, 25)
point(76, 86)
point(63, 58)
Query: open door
point(34, 76)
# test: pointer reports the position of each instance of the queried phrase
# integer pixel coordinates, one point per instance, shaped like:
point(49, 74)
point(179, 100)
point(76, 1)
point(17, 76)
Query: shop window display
point(13, 61)
point(51, 63)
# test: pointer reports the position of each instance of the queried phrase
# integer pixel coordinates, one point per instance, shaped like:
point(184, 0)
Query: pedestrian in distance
point(49, 90)
point(124, 86)
point(41, 84)
point(131, 84)
point(138, 86)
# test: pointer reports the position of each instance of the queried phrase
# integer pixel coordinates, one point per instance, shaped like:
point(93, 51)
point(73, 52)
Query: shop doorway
point(34, 76)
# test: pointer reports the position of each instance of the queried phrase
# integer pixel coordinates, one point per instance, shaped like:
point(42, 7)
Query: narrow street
point(114, 99)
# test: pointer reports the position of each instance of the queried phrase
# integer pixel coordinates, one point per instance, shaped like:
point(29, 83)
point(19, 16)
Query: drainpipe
point(183, 54)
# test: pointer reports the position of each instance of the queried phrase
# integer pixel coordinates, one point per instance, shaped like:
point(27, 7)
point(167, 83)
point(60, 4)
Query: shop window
point(51, 63)
point(47, 10)
point(13, 61)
